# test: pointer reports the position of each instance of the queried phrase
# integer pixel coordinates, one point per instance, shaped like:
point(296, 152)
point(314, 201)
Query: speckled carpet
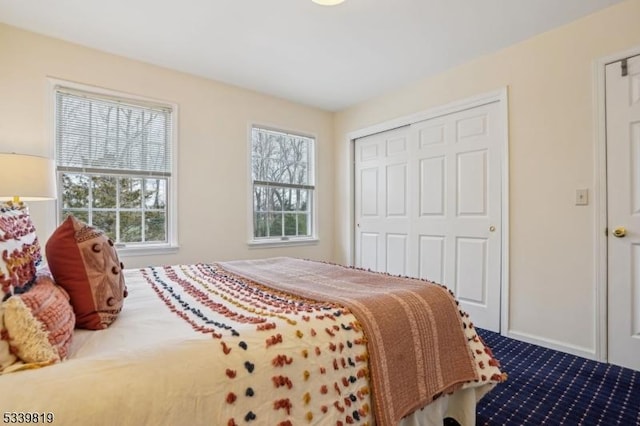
point(547, 387)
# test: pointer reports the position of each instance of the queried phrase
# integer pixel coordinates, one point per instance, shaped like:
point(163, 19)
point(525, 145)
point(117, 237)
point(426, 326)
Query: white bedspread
point(152, 368)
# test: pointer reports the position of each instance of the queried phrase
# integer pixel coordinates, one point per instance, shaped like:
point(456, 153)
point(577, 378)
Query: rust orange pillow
point(38, 324)
point(85, 263)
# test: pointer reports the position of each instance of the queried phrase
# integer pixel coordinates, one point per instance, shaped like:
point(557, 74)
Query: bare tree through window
point(114, 165)
point(282, 171)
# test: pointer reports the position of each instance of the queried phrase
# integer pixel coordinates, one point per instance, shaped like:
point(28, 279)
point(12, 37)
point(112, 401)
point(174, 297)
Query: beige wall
point(550, 80)
point(213, 146)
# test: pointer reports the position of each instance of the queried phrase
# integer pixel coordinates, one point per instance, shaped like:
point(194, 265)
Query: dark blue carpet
point(547, 387)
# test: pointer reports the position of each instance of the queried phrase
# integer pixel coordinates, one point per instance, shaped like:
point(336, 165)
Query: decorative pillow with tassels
point(36, 327)
point(19, 249)
point(84, 261)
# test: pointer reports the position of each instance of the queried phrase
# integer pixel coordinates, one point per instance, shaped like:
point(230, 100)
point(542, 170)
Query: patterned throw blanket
point(417, 345)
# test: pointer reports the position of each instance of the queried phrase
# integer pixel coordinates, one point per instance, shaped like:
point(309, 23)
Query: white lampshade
point(28, 177)
point(328, 2)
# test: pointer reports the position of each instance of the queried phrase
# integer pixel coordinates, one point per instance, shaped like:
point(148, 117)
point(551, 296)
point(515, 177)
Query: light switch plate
point(582, 197)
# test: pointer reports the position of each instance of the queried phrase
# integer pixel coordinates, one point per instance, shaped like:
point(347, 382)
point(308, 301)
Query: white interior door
point(623, 212)
point(428, 204)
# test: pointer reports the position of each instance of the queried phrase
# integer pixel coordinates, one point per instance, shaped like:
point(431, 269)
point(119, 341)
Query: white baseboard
point(589, 353)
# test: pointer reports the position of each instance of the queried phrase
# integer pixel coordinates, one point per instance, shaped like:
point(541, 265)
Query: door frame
point(600, 199)
point(500, 96)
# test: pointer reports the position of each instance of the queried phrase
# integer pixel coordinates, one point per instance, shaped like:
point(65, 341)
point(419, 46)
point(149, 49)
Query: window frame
point(126, 249)
point(282, 241)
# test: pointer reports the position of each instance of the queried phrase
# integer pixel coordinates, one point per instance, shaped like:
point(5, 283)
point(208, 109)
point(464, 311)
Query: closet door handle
point(620, 232)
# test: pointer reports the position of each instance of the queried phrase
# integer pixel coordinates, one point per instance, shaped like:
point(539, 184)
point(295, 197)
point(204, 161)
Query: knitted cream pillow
point(38, 324)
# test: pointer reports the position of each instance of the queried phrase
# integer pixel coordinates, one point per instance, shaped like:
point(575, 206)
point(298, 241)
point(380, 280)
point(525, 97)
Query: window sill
point(283, 243)
point(150, 250)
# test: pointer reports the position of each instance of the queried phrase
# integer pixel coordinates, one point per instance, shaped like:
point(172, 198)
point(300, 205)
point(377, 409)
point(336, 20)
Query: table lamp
point(26, 178)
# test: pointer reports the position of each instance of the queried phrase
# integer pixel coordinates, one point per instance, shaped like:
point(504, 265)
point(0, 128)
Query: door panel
point(369, 192)
point(431, 257)
point(431, 135)
point(396, 254)
point(438, 209)
point(471, 126)
point(472, 183)
point(368, 152)
point(432, 186)
point(623, 211)
point(369, 251)
point(397, 190)
point(471, 270)
point(396, 146)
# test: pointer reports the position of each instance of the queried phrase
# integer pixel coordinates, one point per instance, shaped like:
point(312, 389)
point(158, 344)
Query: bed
point(256, 342)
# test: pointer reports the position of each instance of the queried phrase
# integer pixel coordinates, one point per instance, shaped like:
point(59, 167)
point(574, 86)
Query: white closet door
point(428, 205)
point(382, 202)
point(458, 220)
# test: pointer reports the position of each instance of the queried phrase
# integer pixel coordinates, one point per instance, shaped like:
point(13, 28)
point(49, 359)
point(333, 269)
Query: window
point(283, 185)
point(114, 165)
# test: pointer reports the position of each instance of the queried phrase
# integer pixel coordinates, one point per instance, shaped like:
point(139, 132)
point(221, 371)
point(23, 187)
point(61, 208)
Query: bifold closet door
point(428, 205)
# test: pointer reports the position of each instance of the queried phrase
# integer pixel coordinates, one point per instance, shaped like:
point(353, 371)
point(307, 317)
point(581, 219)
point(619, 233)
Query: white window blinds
point(103, 135)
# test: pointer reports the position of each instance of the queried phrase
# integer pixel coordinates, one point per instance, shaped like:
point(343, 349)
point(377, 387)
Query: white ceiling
point(328, 57)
